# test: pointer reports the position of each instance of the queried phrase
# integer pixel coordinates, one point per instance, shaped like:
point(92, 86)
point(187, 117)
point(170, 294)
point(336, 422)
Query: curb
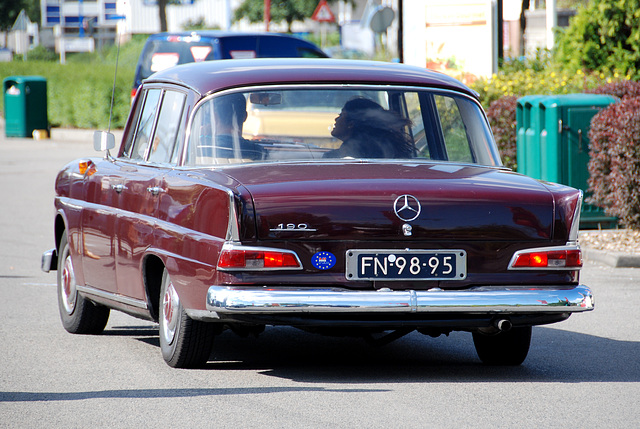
point(612, 259)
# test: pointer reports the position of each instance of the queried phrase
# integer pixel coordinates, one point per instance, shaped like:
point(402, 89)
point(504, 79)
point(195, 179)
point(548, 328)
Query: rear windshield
point(159, 55)
point(339, 123)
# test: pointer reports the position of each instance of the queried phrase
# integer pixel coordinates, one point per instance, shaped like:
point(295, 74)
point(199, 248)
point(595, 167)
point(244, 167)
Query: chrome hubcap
point(68, 286)
point(170, 305)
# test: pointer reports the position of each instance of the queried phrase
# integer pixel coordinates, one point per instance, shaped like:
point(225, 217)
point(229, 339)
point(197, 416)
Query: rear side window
point(145, 125)
point(238, 47)
point(310, 53)
point(453, 130)
point(286, 47)
point(166, 133)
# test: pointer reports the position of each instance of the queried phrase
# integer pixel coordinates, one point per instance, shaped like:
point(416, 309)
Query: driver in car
point(230, 113)
point(367, 130)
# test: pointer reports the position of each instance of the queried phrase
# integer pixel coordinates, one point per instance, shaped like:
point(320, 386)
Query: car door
point(151, 158)
point(102, 195)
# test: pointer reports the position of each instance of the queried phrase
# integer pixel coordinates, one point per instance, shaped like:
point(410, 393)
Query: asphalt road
point(584, 372)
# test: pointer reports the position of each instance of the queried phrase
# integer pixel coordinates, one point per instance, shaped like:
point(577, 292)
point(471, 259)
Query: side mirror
point(103, 140)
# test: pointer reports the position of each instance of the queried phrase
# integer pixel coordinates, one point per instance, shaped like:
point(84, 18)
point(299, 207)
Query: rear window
point(324, 123)
point(159, 55)
point(173, 50)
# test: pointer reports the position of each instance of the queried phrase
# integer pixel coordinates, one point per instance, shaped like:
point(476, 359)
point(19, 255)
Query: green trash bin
point(528, 129)
point(558, 150)
point(25, 105)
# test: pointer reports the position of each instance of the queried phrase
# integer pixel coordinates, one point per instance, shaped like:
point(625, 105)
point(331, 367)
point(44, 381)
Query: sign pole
point(267, 14)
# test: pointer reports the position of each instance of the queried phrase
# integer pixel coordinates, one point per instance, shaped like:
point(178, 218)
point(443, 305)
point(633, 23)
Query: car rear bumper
point(229, 301)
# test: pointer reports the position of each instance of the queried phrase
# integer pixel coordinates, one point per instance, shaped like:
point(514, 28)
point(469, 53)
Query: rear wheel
point(505, 348)
point(185, 343)
point(78, 315)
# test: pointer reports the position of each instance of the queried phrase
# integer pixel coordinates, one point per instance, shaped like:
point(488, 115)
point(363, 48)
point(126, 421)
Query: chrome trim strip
point(543, 249)
point(90, 291)
point(478, 300)
point(233, 233)
point(575, 226)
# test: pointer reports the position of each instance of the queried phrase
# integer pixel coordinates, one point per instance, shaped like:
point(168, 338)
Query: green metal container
point(528, 122)
point(25, 105)
point(555, 147)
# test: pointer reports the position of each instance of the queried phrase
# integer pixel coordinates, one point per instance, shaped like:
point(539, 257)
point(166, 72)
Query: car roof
point(219, 34)
point(212, 76)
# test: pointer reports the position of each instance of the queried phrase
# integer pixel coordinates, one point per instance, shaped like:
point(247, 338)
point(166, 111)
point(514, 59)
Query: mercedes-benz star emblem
point(407, 207)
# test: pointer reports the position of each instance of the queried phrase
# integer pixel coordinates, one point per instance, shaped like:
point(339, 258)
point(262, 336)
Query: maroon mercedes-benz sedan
point(339, 197)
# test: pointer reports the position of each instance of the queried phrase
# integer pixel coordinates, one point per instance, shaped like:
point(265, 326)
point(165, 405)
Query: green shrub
point(614, 165)
point(604, 36)
point(502, 117)
point(550, 81)
point(621, 89)
point(40, 53)
point(79, 92)
point(78, 95)
point(500, 92)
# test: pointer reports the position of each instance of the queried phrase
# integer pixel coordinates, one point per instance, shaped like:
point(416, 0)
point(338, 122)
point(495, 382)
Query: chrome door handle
point(155, 190)
point(118, 188)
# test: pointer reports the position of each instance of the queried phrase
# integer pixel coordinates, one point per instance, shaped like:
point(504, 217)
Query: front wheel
point(78, 315)
point(505, 348)
point(185, 343)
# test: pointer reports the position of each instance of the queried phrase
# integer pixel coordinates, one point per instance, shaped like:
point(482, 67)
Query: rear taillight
point(256, 258)
point(561, 258)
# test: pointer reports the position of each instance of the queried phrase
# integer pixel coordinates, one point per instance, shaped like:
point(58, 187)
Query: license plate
point(406, 265)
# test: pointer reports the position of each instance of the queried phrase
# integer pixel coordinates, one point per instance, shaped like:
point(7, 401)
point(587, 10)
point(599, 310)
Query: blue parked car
point(165, 50)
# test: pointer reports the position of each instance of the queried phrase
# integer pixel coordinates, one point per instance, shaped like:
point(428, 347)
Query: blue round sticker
point(323, 260)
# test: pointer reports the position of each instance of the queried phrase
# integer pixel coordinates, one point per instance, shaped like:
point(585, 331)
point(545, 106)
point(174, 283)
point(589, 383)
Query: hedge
point(614, 165)
point(502, 117)
point(78, 96)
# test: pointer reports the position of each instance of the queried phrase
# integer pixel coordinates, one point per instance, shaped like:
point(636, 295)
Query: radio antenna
point(115, 74)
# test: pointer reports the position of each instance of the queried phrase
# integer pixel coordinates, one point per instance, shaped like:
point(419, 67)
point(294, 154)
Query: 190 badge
point(323, 260)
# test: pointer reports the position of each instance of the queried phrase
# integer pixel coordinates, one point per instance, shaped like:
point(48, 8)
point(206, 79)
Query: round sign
point(381, 19)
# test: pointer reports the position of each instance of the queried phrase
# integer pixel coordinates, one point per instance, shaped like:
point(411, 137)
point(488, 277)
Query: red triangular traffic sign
point(323, 13)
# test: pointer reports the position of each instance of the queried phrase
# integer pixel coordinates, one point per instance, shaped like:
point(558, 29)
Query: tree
point(281, 10)
point(603, 36)
point(9, 11)
point(162, 12)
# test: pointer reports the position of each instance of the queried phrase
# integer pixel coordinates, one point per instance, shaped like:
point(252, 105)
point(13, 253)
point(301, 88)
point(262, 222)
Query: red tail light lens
point(257, 259)
point(542, 258)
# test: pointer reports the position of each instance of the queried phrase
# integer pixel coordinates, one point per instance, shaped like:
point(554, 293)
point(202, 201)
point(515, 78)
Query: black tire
point(505, 348)
point(78, 315)
point(185, 343)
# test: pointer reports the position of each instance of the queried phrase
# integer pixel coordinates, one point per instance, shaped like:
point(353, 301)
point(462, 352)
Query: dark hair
point(231, 108)
point(379, 127)
point(361, 103)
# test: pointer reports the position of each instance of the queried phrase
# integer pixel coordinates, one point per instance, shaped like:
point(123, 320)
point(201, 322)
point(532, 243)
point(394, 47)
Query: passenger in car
point(367, 130)
point(230, 112)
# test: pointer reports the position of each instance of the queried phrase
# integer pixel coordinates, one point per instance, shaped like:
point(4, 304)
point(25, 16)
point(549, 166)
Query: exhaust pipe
point(503, 325)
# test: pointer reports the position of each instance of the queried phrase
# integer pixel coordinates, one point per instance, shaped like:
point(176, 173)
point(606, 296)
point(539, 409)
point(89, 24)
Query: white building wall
point(142, 15)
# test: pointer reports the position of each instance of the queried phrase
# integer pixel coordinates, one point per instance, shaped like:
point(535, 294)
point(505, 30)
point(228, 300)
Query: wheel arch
point(153, 267)
point(59, 228)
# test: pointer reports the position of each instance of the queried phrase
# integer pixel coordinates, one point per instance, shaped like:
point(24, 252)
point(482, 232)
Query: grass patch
point(79, 92)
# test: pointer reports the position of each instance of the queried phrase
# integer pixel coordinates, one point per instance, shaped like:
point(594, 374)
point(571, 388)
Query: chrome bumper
point(479, 300)
point(49, 260)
